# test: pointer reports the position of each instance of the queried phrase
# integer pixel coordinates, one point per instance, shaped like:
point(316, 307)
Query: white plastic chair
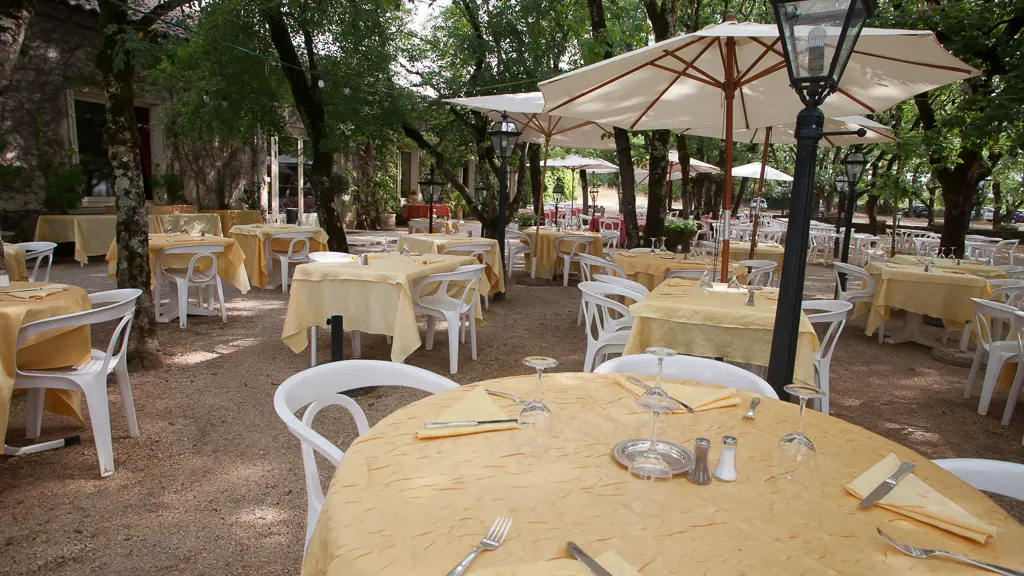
point(89, 378)
point(517, 243)
point(1007, 248)
point(833, 313)
point(476, 229)
point(688, 274)
point(454, 310)
point(866, 292)
point(610, 239)
point(297, 253)
point(576, 245)
point(474, 250)
point(999, 352)
point(587, 265)
point(330, 257)
point(37, 252)
point(761, 273)
point(608, 321)
point(201, 274)
point(418, 228)
point(682, 367)
point(325, 385)
point(623, 282)
point(1005, 478)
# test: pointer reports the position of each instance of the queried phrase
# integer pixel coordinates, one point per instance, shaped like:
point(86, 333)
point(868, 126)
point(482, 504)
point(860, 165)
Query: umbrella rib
point(685, 75)
point(766, 72)
point(882, 134)
point(767, 50)
point(743, 100)
point(848, 95)
point(653, 102)
point(573, 127)
point(912, 63)
point(692, 63)
point(830, 143)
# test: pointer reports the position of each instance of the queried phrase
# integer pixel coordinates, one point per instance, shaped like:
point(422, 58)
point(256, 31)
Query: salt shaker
point(700, 473)
point(726, 469)
point(364, 259)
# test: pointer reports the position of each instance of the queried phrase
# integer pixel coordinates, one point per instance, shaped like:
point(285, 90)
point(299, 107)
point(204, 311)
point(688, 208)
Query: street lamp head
point(481, 189)
point(559, 191)
point(855, 164)
point(841, 183)
point(594, 193)
point(504, 137)
point(818, 37)
point(431, 186)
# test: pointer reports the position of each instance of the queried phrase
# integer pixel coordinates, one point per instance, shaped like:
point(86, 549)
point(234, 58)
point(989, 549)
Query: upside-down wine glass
point(795, 454)
point(651, 465)
point(535, 413)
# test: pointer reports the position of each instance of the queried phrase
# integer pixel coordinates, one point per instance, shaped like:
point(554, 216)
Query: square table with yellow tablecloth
point(14, 260)
point(376, 298)
point(548, 260)
point(51, 349)
point(192, 223)
point(230, 262)
point(716, 323)
point(974, 268)
point(944, 294)
point(650, 269)
point(91, 233)
point(252, 238)
point(763, 251)
point(493, 281)
point(440, 225)
point(230, 218)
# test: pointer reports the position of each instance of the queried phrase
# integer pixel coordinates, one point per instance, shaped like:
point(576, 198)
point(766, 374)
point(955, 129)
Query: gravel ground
point(214, 483)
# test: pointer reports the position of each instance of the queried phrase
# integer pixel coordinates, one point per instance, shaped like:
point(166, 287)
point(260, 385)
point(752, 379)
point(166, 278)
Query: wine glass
point(664, 244)
point(795, 454)
point(535, 413)
point(651, 465)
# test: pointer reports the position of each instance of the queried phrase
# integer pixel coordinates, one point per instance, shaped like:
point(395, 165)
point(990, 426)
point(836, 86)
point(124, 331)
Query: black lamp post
point(559, 193)
point(841, 182)
point(594, 192)
point(855, 164)
point(431, 187)
point(817, 40)
point(504, 137)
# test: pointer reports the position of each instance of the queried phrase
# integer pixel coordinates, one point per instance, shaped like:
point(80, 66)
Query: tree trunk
point(122, 139)
point(657, 179)
point(997, 200)
point(583, 186)
point(535, 180)
point(14, 18)
point(627, 180)
point(870, 205)
point(737, 200)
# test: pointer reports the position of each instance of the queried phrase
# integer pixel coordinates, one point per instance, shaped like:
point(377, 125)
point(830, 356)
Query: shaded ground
point(214, 483)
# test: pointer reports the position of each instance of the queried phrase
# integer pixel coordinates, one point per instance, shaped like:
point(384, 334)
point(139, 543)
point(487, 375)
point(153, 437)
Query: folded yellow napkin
point(913, 498)
point(33, 292)
point(769, 296)
point(627, 254)
point(476, 405)
point(427, 262)
point(699, 398)
point(562, 567)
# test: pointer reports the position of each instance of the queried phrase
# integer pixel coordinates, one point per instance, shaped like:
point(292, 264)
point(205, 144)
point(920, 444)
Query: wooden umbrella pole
point(540, 207)
point(760, 191)
point(730, 93)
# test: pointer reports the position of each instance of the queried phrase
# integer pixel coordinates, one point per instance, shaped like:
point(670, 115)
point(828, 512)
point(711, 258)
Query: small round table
point(402, 506)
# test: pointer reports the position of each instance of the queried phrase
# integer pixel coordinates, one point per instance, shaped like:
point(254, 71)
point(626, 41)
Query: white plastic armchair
point(1005, 248)
point(417, 228)
point(688, 274)
point(568, 248)
point(624, 282)
point(1005, 478)
point(454, 310)
point(518, 243)
point(322, 386)
point(297, 253)
point(761, 271)
point(999, 352)
point(89, 378)
point(682, 367)
point(610, 239)
point(37, 252)
point(201, 274)
point(476, 250)
point(833, 313)
point(590, 265)
point(864, 293)
point(608, 321)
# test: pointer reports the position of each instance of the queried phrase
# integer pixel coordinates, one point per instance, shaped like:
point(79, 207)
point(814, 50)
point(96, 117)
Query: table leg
point(911, 332)
point(337, 338)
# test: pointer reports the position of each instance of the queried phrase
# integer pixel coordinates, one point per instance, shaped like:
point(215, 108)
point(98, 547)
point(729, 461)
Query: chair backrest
point(38, 251)
point(1005, 246)
point(604, 314)
point(611, 224)
point(761, 271)
point(854, 274)
point(470, 274)
point(831, 312)
point(325, 385)
point(690, 274)
point(330, 257)
point(297, 238)
point(624, 282)
point(588, 263)
point(609, 239)
point(517, 235)
point(418, 228)
point(703, 370)
point(985, 312)
point(477, 250)
point(1009, 295)
point(477, 229)
point(575, 244)
point(112, 305)
point(1005, 478)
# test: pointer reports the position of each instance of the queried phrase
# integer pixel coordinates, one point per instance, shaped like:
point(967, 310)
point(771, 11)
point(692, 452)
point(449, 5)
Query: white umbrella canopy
point(753, 170)
point(785, 133)
point(573, 162)
point(526, 110)
point(676, 169)
point(679, 83)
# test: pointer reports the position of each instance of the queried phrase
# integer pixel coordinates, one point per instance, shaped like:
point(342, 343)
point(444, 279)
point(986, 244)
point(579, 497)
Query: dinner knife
point(641, 384)
point(468, 423)
point(587, 561)
point(887, 485)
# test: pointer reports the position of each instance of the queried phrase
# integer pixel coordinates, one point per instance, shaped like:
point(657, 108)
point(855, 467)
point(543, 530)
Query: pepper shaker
point(364, 259)
point(726, 469)
point(700, 473)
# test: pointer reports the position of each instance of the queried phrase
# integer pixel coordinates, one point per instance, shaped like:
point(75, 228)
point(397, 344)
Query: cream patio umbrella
point(695, 80)
point(574, 163)
point(759, 170)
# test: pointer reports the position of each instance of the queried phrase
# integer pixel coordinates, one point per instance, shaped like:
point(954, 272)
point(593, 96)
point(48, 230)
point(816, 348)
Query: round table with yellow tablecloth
point(763, 251)
point(399, 505)
point(548, 260)
point(51, 349)
point(650, 269)
point(14, 260)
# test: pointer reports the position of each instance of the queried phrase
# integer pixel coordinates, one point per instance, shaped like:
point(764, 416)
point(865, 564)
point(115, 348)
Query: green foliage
point(526, 219)
point(172, 186)
point(64, 188)
point(10, 174)
point(681, 226)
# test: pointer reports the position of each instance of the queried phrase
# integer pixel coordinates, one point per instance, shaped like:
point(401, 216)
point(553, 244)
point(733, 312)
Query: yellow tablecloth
point(230, 262)
point(494, 280)
point(399, 506)
point(764, 251)
point(229, 218)
point(193, 223)
point(715, 324)
point(376, 298)
point(440, 225)
point(14, 260)
point(53, 349)
point(252, 238)
point(91, 233)
point(650, 269)
point(974, 268)
point(548, 260)
point(939, 294)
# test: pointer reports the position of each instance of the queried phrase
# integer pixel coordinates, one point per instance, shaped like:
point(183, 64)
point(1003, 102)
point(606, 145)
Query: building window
point(90, 122)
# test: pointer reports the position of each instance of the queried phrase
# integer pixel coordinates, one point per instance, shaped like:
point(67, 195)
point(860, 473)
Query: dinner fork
point(491, 541)
point(925, 553)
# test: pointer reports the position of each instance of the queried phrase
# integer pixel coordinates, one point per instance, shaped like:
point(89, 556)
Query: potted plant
point(679, 234)
point(526, 219)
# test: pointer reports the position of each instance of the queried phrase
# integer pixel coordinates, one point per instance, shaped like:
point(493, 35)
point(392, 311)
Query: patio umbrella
point(682, 82)
point(574, 163)
point(759, 170)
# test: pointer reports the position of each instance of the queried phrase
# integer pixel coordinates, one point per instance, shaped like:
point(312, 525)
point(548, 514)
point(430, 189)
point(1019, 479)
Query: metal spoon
point(750, 413)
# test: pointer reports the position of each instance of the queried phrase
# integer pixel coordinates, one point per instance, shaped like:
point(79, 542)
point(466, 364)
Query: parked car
point(1018, 217)
point(987, 214)
point(917, 211)
point(758, 204)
